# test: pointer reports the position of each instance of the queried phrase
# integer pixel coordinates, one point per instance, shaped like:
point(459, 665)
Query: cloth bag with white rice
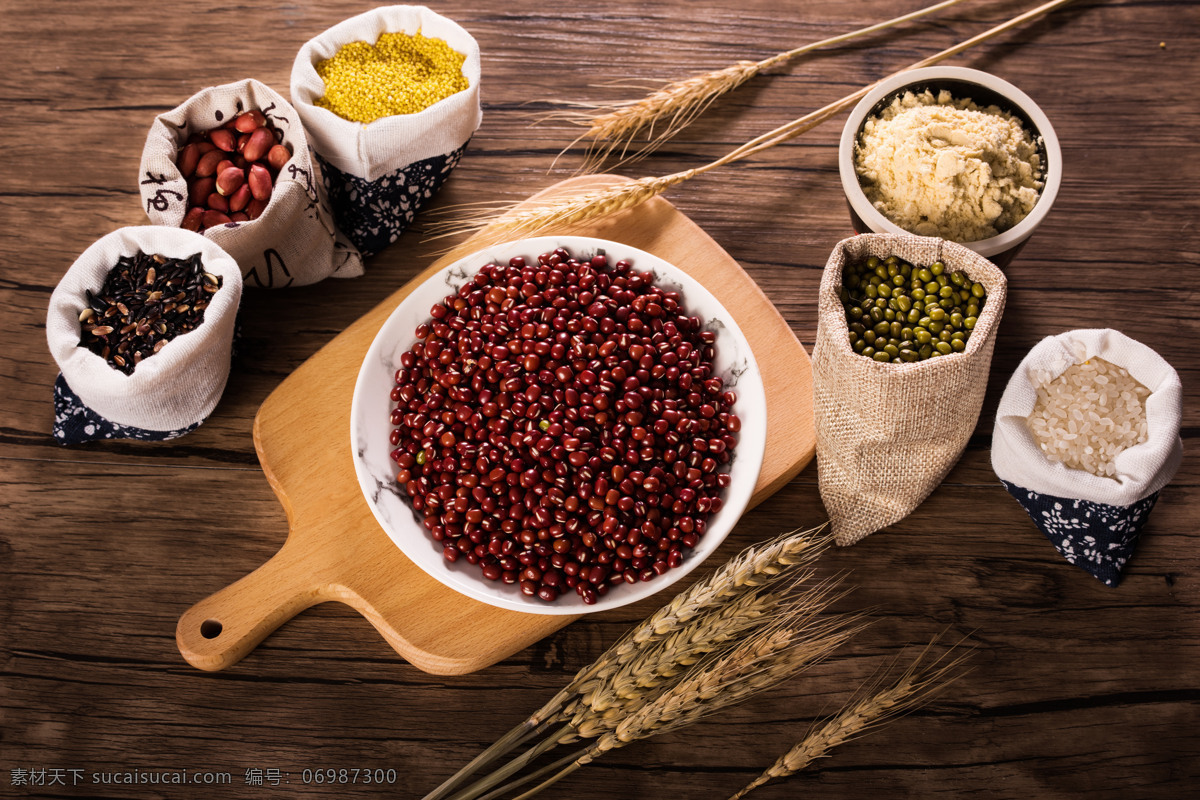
point(294, 242)
point(170, 392)
point(380, 174)
point(887, 434)
point(1094, 520)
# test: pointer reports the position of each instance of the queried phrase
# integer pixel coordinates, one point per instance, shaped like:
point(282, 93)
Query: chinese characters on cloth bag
point(1094, 521)
point(887, 434)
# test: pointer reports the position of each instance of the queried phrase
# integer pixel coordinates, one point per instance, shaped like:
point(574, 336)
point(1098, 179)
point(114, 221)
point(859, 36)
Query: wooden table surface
point(1078, 690)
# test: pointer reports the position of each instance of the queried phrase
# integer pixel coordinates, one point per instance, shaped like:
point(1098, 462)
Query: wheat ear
point(914, 688)
point(519, 220)
point(662, 665)
point(662, 114)
point(496, 224)
point(755, 567)
point(658, 116)
point(665, 659)
point(759, 663)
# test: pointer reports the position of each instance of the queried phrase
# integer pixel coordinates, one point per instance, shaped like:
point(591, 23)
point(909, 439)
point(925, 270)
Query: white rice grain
point(1088, 414)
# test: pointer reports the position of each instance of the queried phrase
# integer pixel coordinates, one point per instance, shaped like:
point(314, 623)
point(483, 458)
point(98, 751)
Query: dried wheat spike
point(613, 129)
point(914, 688)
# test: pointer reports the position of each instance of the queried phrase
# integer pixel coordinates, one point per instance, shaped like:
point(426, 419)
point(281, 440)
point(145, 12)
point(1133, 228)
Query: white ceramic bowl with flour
point(985, 90)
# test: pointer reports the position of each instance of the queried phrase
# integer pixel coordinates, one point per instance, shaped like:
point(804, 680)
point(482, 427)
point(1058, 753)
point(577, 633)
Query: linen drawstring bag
point(379, 174)
point(171, 390)
point(1093, 520)
point(887, 433)
point(295, 241)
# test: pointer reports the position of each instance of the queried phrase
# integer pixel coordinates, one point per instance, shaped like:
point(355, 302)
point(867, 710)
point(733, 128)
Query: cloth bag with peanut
point(160, 305)
point(888, 433)
point(233, 161)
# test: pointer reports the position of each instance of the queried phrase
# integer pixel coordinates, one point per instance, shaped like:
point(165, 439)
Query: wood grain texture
point(335, 550)
point(1078, 691)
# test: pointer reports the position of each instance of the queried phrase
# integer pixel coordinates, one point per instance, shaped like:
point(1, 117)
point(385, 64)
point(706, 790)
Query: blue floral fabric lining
point(373, 214)
point(75, 423)
point(1096, 537)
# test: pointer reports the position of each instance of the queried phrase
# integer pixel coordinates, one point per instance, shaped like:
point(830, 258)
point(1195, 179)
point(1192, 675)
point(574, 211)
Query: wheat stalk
point(760, 662)
point(662, 114)
point(665, 705)
point(620, 690)
point(520, 220)
point(668, 110)
point(494, 224)
point(914, 688)
point(748, 573)
point(663, 660)
point(664, 665)
point(756, 567)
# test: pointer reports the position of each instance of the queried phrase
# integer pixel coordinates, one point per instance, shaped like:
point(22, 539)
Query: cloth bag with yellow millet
point(292, 241)
point(380, 170)
point(887, 434)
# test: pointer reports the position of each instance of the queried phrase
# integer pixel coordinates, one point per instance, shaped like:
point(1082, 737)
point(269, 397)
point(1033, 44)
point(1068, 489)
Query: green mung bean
point(901, 313)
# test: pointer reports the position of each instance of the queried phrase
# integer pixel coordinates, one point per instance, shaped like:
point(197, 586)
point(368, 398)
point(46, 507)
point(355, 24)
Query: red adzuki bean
point(558, 424)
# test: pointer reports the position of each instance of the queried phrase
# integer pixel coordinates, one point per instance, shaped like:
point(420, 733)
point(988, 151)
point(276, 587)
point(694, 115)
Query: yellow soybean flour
point(399, 74)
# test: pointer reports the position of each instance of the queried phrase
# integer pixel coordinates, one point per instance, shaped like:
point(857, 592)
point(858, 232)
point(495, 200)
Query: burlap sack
point(295, 241)
point(170, 392)
point(380, 174)
point(887, 434)
point(1093, 521)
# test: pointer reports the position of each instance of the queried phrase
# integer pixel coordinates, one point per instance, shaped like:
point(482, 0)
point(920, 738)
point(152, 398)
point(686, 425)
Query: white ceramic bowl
point(370, 425)
point(985, 89)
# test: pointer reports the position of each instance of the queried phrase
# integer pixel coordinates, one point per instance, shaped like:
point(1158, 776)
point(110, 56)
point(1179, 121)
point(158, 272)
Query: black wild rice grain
point(146, 301)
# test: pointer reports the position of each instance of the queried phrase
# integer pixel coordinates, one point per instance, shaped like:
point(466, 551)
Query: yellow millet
point(399, 74)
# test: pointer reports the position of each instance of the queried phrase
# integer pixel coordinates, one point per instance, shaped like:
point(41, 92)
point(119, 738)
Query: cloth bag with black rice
point(174, 383)
point(1094, 521)
point(295, 241)
point(887, 433)
point(380, 174)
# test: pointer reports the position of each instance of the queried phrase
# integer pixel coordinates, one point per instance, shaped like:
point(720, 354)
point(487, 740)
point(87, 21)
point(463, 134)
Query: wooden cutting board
point(335, 550)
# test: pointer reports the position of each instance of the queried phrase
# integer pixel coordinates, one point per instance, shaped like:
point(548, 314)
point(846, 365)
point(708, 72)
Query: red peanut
point(223, 139)
point(240, 199)
point(207, 165)
point(199, 191)
point(260, 182)
point(230, 171)
point(188, 159)
point(217, 202)
point(229, 180)
point(278, 156)
point(214, 218)
point(193, 219)
point(260, 142)
point(247, 121)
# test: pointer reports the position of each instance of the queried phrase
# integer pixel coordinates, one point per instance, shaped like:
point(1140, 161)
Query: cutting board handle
point(222, 628)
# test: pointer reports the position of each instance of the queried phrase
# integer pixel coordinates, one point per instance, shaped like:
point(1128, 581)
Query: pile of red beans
point(558, 424)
